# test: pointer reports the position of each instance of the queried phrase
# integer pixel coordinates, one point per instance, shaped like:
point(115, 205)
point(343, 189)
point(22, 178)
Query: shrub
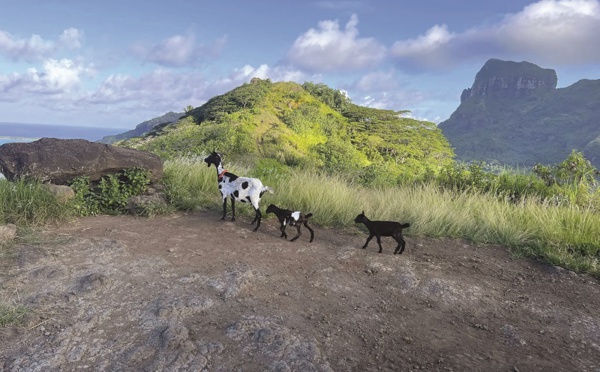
point(110, 194)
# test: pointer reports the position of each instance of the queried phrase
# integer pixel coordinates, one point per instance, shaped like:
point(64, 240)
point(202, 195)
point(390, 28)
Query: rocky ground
point(190, 292)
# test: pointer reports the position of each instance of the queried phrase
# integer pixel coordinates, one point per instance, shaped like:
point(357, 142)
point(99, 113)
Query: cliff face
point(514, 114)
point(509, 79)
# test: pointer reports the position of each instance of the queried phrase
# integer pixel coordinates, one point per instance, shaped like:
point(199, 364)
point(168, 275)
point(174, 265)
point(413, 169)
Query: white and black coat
point(242, 189)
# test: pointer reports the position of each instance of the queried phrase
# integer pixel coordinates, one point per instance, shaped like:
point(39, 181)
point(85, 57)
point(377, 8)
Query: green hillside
point(309, 126)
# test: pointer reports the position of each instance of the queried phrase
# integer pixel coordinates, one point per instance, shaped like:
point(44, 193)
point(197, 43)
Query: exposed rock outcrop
point(58, 161)
point(510, 79)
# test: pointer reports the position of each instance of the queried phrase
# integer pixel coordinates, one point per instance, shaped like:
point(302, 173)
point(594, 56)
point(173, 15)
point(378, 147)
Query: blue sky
point(115, 64)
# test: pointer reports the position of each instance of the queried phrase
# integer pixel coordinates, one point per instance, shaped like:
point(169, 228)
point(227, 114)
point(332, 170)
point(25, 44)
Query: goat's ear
point(363, 212)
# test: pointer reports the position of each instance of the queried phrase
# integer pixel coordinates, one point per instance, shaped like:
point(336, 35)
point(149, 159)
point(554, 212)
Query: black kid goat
point(383, 228)
point(292, 218)
point(243, 189)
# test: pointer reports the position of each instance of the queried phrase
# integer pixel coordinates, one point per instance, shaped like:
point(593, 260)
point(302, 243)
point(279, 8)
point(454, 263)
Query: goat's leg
point(255, 215)
point(232, 208)
point(397, 238)
point(298, 226)
point(283, 234)
point(401, 245)
point(368, 240)
point(312, 233)
point(379, 242)
point(224, 208)
point(257, 218)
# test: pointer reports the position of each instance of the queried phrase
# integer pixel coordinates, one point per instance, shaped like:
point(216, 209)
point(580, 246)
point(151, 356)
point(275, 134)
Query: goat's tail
point(405, 225)
point(309, 215)
point(266, 189)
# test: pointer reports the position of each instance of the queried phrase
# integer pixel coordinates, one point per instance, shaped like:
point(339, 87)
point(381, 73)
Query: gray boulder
point(62, 193)
point(59, 161)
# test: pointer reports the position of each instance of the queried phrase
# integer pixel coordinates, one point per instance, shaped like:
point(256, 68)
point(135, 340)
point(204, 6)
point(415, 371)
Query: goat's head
point(361, 218)
point(213, 158)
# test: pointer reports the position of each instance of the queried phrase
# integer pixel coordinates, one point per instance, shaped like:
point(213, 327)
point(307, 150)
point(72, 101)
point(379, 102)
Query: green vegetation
point(560, 233)
point(306, 127)
point(323, 154)
point(28, 204)
point(11, 315)
point(110, 194)
point(559, 223)
point(522, 127)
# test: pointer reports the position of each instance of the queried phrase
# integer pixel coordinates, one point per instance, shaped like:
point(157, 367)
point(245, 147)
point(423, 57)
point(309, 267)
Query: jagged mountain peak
point(498, 78)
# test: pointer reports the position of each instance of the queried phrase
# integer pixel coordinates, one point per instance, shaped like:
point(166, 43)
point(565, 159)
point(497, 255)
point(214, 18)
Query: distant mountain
point(514, 114)
point(143, 128)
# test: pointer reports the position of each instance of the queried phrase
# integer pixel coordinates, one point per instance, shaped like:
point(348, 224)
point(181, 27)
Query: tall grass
point(566, 236)
point(29, 204)
point(189, 184)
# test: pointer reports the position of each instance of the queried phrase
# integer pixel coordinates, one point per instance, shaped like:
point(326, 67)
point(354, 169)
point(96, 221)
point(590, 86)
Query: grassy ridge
point(565, 236)
point(304, 127)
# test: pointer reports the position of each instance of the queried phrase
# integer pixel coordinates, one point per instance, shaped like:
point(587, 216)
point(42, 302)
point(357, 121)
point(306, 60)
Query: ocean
point(19, 132)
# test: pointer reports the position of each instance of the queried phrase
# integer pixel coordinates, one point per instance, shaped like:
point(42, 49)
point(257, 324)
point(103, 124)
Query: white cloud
point(158, 88)
point(329, 48)
point(428, 48)
point(559, 31)
point(58, 78)
point(377, 81)
point(35, 48)
point(31, 49)
point(71, 38)
point(383, 90)
point(246, 73)
point(179, 50)
point(548, 31)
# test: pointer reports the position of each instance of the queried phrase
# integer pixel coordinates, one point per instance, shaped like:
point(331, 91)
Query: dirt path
point(191, 293)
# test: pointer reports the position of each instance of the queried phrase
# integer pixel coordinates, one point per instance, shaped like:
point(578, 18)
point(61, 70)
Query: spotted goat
point(291, 218)
point(242, 189)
